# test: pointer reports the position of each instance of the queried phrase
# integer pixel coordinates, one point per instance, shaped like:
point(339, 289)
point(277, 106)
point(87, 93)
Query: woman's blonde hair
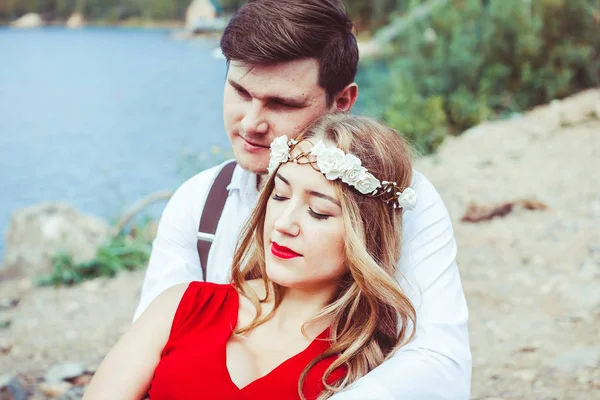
point(371, 316)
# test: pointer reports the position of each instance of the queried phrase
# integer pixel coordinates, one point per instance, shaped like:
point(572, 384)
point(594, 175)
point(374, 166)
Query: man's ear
point(346, 98)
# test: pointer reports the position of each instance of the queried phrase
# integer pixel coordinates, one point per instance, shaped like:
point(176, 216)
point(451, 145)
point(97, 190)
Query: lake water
point(101, 117)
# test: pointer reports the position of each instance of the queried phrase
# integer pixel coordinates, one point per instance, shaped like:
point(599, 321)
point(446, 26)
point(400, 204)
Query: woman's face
point(304, 231)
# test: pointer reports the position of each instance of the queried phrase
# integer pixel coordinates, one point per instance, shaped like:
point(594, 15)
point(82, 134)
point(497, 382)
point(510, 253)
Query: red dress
point(193, 362)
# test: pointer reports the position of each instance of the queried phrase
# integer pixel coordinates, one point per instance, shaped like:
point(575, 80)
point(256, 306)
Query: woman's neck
point(299, 306)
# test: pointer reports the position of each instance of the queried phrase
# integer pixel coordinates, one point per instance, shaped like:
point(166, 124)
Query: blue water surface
point(100, 117)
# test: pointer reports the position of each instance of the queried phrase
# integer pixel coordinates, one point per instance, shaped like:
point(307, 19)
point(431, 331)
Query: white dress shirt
point(435, 365)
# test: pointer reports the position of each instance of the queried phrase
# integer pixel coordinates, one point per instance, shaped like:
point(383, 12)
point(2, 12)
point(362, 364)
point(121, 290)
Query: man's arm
point(174, 258)
point(437, 363)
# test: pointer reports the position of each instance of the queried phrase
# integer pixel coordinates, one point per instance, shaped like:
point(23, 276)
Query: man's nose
point(254, 121)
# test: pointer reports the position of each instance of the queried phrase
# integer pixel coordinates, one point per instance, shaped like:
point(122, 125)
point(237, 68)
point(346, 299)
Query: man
point(290, 62)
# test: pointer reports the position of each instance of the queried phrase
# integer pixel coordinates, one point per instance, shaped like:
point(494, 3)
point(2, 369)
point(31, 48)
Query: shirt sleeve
point(174, 258)
point(436, 364)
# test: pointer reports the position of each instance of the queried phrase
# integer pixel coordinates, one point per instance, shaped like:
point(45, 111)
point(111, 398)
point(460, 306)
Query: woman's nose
point(287, 222)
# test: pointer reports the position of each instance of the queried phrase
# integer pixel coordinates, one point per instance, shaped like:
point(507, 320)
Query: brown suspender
point(213, 208)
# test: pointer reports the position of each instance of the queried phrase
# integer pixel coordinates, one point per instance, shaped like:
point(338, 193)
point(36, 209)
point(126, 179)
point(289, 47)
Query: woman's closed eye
point(317, 215)
point(313, 214)
point(276, 197)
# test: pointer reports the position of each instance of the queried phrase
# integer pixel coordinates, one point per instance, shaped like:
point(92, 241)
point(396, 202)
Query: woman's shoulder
point(208, 286)
point(199, 304)
point(182, 290)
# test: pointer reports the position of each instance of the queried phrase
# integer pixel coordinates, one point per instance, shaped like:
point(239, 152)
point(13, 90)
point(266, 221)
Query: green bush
point(472, 60)
point(120, 253)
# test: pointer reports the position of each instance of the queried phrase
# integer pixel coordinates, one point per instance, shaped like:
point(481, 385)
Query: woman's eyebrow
point(323, 196)
point(282, 178)
point(312, 192)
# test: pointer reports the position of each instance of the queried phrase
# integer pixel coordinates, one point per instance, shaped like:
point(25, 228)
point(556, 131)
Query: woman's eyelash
point(313, 214)
point(317, 215)
point(277, 197)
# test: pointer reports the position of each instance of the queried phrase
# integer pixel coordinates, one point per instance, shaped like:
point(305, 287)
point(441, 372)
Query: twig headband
point(335, 164)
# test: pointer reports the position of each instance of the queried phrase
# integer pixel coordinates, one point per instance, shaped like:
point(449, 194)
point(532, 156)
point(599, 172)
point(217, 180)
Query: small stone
point(4, 379)
point(60, 372)
point(82, 380)
point(7, 304)
point(5, 347)
point(13, 385)
point(526, 375)
point(75, 393)
point(54, 389)
point(529, 349)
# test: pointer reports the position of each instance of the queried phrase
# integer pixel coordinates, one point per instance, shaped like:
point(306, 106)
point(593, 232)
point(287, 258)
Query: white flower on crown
point(354, 171)
point(367, 184)
point(407, 200)
point(335, 164)
point(318, 148)
point(280, 152)
point(330, 160)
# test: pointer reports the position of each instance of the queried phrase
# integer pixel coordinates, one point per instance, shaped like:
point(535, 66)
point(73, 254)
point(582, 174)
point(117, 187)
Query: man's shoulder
point(426, 192)
point(430, 206)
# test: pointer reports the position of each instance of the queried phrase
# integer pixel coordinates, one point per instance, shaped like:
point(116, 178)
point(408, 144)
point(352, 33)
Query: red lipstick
point(283, 252)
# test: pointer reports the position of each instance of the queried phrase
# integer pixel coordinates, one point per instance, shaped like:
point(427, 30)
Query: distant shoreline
point(129, 23)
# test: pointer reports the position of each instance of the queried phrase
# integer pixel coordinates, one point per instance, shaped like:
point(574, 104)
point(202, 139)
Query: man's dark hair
point(264, 32)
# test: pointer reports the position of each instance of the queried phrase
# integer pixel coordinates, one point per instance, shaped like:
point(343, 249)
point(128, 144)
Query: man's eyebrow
point(236, 85)
point(290, 101)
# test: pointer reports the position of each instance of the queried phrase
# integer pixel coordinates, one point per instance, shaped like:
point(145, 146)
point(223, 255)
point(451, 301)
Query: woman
point(313, 304)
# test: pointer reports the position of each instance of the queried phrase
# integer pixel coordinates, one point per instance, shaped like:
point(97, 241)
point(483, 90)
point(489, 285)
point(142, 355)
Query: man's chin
point(254, 166)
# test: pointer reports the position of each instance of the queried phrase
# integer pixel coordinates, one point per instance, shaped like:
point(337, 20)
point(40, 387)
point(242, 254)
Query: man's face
point(263, 102)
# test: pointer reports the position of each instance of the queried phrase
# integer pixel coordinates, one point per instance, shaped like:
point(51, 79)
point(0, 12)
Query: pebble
point(60, 372)
point(55, 389)
point(13, 386)
point(526, 375)
point(75, 393)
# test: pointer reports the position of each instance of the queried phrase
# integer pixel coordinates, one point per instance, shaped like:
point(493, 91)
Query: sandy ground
point(532, 278)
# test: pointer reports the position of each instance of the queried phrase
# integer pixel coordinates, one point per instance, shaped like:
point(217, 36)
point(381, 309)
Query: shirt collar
point(244, 182)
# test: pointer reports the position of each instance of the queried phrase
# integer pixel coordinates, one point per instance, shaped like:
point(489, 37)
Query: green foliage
point(104, 10)
point(471, 60)
point(365, 14)
point(120, 253)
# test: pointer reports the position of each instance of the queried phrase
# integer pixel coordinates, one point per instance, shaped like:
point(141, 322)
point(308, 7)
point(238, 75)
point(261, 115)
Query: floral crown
point(335, 164)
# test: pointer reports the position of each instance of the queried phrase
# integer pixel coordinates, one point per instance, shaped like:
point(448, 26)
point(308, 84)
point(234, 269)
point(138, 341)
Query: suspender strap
point(213, 208)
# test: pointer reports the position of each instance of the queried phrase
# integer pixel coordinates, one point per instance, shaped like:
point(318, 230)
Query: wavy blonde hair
point(370, 316)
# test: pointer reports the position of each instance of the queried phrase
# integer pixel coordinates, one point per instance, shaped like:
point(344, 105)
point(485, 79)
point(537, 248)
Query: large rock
point(30, 20)
point(38, 232)
point(198, 12)
point(75, 21)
